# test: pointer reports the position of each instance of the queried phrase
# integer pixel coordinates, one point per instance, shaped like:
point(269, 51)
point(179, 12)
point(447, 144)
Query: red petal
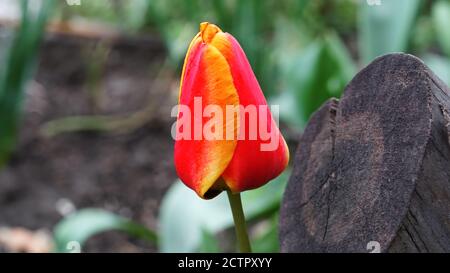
point(200, 163)
point(250, 167)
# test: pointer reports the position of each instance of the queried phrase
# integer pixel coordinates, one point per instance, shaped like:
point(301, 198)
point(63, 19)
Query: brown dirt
point(124, 173)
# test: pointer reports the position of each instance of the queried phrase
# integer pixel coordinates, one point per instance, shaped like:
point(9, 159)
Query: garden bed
point(123, 172)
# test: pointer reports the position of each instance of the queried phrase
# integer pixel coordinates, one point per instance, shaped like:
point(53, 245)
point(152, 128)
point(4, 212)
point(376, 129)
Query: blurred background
point(86, 90)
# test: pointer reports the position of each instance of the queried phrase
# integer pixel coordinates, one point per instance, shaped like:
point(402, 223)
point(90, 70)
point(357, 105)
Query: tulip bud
point(220, 96)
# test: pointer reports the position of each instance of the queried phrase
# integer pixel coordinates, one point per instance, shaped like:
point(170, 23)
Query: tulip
point(216, 70)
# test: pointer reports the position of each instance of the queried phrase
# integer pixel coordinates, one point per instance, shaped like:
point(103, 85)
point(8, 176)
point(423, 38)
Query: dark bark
point(374, 166)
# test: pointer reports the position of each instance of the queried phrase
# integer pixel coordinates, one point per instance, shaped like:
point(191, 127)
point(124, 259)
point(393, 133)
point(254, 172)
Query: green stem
point(239, 222)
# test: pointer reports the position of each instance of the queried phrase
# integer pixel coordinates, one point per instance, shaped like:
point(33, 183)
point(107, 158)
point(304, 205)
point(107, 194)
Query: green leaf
point(385, 28)
point(321, 72)
point(342, 63)
point(136, 13)
point(19, 64)
point(267, 241)
point(209, 243)
point(81, 225)
point(100, 10)
point(184, 216)
point(441, 20)
point(440, 65)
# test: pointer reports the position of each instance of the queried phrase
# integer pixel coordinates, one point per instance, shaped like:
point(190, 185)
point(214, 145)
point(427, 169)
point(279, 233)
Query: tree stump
point(373, 169)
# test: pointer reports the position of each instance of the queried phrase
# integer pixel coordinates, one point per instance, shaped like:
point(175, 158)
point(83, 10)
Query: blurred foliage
point(276, 36)
point(77, 228)
point(302, 52)
point(384, 29)
point(330, 68)
point(184, 218)
point(441, 20)
point(209, 243)
point(187, 222)
point(266, 241)
point(15, 71)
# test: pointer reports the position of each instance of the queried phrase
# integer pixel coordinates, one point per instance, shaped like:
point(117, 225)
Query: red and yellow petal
point(251, 167)
point(200, 163)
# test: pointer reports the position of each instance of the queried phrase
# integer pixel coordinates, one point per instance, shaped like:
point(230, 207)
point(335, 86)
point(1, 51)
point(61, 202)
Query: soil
point(126, 173)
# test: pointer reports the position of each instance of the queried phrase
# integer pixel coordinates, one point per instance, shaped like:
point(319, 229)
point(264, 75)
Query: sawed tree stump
point(373, 169)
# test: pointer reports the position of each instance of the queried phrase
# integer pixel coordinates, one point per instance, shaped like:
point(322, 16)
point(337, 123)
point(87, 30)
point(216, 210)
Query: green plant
point(81, 225)
point(383, 29)
point(182, 212)
point(186, 222)
point(19, 63)
point(440, 18)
